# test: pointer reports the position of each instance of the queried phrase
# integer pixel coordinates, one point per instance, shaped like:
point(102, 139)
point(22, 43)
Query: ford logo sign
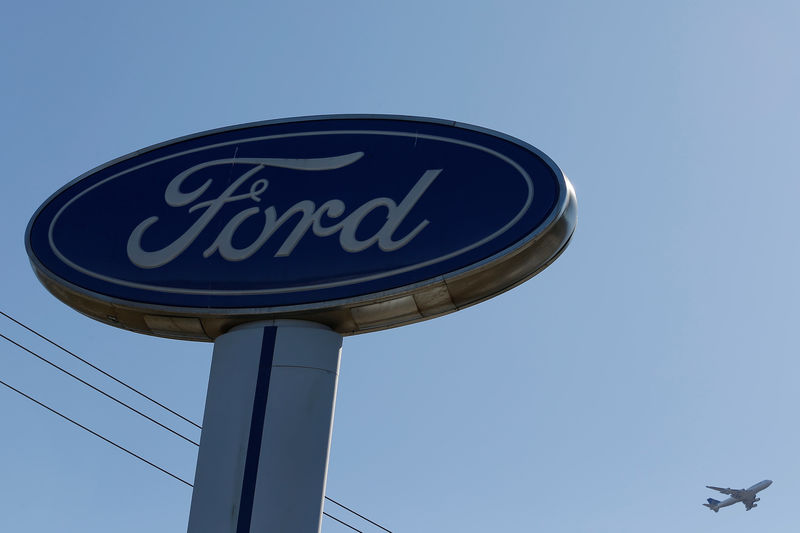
point(357, 222)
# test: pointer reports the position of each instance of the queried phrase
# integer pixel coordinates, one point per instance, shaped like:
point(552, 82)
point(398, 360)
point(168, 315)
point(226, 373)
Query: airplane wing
point(730, 492)
point(749, 503)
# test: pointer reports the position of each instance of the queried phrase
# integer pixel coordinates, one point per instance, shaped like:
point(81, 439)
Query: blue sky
point(656, 356)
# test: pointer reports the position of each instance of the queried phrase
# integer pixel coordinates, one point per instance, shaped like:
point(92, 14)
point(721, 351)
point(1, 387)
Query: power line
point(129, 452)
point(358, 515)
point(134, 410)
point(95, 433)
point(67, 372)
point(342, 522)
point(84, 361)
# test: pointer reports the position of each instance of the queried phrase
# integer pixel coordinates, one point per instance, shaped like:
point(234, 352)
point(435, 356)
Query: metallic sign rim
point(204, 324)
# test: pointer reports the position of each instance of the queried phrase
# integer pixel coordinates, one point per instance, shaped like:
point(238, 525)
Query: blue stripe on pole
point(256, 430)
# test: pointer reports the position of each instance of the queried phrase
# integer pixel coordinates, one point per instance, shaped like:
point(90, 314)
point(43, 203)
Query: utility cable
point(18, 345)
point(82, 360)
point(132, 409)
point(358, 515)
point(95, 433)
point(342, 522)
point(109, 441)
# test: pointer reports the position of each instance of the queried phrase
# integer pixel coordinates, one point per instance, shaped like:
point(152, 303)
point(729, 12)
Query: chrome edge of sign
point(428, 298)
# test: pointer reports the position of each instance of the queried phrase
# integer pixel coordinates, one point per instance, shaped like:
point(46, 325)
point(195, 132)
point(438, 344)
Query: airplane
point(746, 496)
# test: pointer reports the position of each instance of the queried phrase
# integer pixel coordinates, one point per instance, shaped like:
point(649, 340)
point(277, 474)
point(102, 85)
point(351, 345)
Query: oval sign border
point(368, 312)
point(372, 277)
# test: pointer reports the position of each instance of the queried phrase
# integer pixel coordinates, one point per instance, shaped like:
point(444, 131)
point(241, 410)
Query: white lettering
point(317, 220)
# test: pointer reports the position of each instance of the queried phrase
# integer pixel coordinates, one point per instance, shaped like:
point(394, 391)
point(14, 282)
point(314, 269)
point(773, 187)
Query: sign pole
point(267, 425)
point(343, 220)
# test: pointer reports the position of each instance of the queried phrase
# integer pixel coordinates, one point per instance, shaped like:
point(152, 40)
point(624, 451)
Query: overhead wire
point(358, 515)
point(150, 463)
point(341, 522)
point(109, 441)
point(84, 361)
point(70, 374)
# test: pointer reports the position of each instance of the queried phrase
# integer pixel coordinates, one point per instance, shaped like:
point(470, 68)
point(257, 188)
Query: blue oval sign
point(298, 215)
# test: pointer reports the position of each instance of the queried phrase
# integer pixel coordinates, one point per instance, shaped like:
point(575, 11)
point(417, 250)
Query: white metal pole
point(266, 430)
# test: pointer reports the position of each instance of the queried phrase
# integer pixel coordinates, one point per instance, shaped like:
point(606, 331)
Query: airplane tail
point(712, 504)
